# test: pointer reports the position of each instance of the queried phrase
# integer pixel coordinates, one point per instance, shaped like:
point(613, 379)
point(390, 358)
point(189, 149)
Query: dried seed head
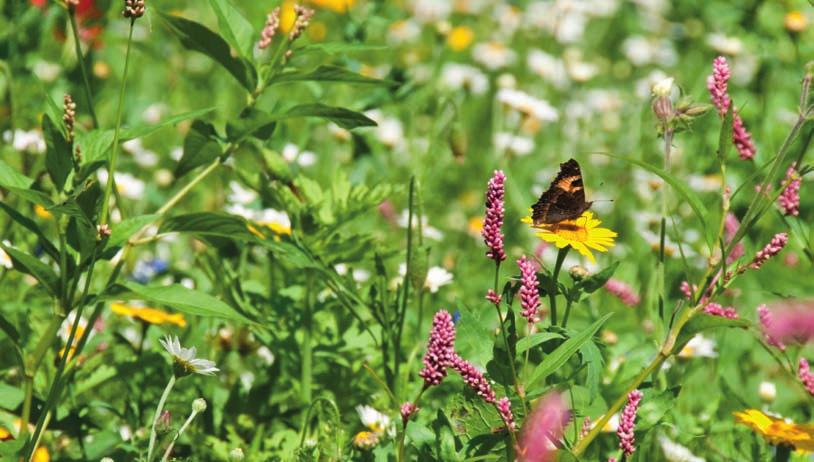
point(304, 16)
point(69, 114)
point(103, 231)
point(134, 9)
point(270, 29)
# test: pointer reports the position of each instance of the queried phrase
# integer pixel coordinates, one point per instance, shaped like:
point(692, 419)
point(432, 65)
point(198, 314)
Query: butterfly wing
point(564, 199)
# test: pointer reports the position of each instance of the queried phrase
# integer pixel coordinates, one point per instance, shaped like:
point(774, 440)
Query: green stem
point(403, 434)
point(103, 217)
point(552, 296)
point(177, 435)
point(668, 141)
point(782, 453)
point(568, 304)
point(520, 392)
point(406, 287)
point(307, 353)
point(81, 60)
point(157, 416)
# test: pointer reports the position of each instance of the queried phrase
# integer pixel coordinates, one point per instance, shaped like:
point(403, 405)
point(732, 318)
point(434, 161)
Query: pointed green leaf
point(58, 153)
point(130, 133)
point(327, 73)
point(30, 264)
point(176, 296)
point(200, 148)
point(345, 118)
point(10, 178)
point(234, 27)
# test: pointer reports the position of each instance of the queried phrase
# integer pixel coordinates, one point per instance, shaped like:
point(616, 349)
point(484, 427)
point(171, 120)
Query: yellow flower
point(148, 315)
point(460, 38)
point(42, 213)
point(777, 431)
point(795, 21)
point(475, 226)
point(287, 16)
point(365, 440)
point(40, 455)
point(339, 6)
point(582, 234)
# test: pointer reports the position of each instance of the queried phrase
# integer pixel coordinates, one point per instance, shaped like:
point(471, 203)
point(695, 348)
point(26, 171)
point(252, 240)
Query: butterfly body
point(564, 199)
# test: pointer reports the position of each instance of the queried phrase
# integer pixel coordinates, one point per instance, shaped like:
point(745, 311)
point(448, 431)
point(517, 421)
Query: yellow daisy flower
point(148, 315)
point(460, 38)
point(777, 431)
point(582, 233)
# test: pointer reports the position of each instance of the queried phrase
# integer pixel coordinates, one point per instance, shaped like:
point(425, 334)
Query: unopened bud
point(199, 405)
point(663, 108)
point(767, 391)
point(663, 88)
point(578, 272)
point(103, 231)
point(164, 423)
point(236, 455)
point(134, 9)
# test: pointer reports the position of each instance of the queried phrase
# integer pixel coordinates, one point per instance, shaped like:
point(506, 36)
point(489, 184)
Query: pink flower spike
point(792, 321)
point(687, 289)
point(504, 407)
point(407, 411)
point(731, 226)
point(627, 422)
point(789, 200)
point(529, 296)
point(543, 428)
point(772, 248)
point(474, 378)
point(493, 221)
point(765, 318)
point(493, 297)
point(806, 376)
point(742, 139)
point(586, 427)
point(717, 85)
point(716, 309)
point(623, 292)
point(270, 29)
point(440, 349)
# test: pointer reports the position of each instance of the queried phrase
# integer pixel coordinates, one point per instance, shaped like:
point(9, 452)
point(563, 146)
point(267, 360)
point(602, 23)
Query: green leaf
point(327, 73)
point(121, 232)
point(131, 133)
point(251, 122)
point(701, 322)
point(560, 356)
point(10, 178)
point(58, 153)
point(176, 296)
point(592, 358)
point(209, 224)
point(95, 145)
point(235, 28)
point(678, 185)
point(55, 112)
point(531, 341)
point(335, 48)
point(197, 37)
point(29, 264)
point(654, 406)
point(345, 118)
point(725, 136)
point(8, 328)
point(564, 455)
point(596, 281)
point(30, 225)
point(200, 148)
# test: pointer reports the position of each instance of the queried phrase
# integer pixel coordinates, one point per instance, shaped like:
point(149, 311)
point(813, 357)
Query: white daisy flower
point(699, 347)
point(674, 452)
point(517, 145)
point(456, 76)
point(5, 260)
point(31, 141)
point(493, 55)
point(437, 277)
point(527, 105)
point(184, 360)
point(374, 420)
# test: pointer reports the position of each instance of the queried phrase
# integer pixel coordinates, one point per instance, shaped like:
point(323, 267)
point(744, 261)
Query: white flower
point(389, 130)
point(240, 195)
point(403, 32)
point(266, 355)
point(45, 71)
point(704, 183)
point(611, 426)
point(5, 260)
point(236, 455)
point(427, 230)
point(493, 55)
point(184, 359)
point(663, 87)
point(143, 156)
point(291, 153)
point(464, 77)
point(699, 347)
point(374, 420)
point(767, 391)
point(429, 11)
point(31, 141)
point(67, 325)
point(641, 51)
point(674, 452)
point(153, 113)
point(127, 185)
point(517, 145)
point(437, 277)
point(548, 67)
point(725, 44)
point(527, 105)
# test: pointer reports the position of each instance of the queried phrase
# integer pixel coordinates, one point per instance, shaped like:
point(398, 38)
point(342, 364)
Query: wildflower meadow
point(391, 231)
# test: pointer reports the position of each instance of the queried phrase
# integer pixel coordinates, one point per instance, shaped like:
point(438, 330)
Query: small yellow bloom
point(41, 455)
point(287, 16)
point(795, 21)
point(777, 431)
point(339, 6)
point(365, 440)
point(475, 226)
point(42, 213)
point(582, 234)
point(149, 315)
point(460, 38)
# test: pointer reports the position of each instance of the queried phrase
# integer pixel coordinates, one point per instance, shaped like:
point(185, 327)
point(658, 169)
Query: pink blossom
point(493, 221)
point(493, 297)
point(407, 411)
point(627, 422)
point(586, 427)
point(789, 200)
point(717, 85)
point(440, 349)
point(806, 376)
point(543, 429)
point(622, 291)
point(765, 318)
point(716, 309)
point(742, 139)
point(529, 296)
point(731, 226)
point(792, 321)
point(272, 24)
point(772, 248)
point(687, 289)
point(474, 378)
point(504, 407)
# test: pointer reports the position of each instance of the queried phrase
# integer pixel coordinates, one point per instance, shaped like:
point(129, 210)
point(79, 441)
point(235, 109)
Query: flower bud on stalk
point(134, 9)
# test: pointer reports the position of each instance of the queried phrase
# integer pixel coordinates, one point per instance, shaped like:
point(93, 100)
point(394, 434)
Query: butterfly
point(564, 199)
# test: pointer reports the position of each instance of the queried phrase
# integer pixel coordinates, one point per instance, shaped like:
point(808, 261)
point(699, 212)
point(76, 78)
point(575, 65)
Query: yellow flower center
point(460, 38)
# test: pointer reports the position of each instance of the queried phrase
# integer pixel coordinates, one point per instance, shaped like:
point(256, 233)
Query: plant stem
point(668, 141)
point(81, 60)
point(178, 434)
point(158, 410)
point(307, 353)
point(520, 393)
point(782, 453)
point(408, 264)
point(552, 296)
point(111, 170)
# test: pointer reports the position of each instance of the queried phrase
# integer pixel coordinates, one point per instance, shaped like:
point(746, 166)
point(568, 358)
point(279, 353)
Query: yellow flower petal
point(778, 431)
point(582, 234)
